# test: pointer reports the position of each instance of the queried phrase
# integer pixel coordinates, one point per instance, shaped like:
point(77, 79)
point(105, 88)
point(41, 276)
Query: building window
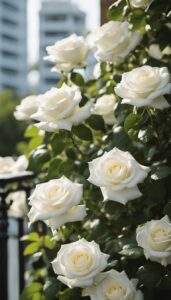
point(56, 34)
point(8, 54)
point(8, 22)
point(55, 17)
point(7, 71)
point(7, 38)
point(9, 6)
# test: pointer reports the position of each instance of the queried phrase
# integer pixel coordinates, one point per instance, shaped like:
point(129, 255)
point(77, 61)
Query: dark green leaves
point(83, 132)
point(116, 11)
point(77, 79)
point(33, 292)
point(161, 171)
point(150, 274)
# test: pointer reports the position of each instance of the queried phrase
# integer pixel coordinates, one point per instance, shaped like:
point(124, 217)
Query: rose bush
point(105, 138)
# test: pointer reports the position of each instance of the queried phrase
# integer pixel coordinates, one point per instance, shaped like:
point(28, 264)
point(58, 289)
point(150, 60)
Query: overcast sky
point(90, 7)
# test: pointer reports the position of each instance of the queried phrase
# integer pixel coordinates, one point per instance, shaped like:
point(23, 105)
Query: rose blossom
point(114, 41)
point(68, 53)
point(26, 108)
point(155, 238)
point(77, 263)
point(113, 285)
point(8, 165)
point(56, 202)
point(59, 109)
point(105, 106)
point(145, 86)
point(117, 174)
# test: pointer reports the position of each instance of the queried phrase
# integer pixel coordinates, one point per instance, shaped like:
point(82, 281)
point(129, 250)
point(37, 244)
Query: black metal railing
point(8, 184)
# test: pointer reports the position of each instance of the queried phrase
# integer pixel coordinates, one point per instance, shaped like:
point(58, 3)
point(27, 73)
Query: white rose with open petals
point(145, 86)
point(140, 3)
point(59, 109)
point(113, 285)
point(26, 108)
point(155, 239)
point(114, 41)
point(56, 202)
point(77, 263)
point(105, 106)
point(68, 53)
point(8, 165)
point(117, 173)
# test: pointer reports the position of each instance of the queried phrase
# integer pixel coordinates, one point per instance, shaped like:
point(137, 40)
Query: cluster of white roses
point(59, 108)
point(117, 173)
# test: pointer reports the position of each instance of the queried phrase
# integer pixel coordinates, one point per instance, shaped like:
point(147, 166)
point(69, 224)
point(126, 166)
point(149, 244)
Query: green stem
point(75, 144)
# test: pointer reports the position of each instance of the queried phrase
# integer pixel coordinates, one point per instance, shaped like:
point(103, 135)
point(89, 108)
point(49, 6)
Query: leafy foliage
point(145, 133)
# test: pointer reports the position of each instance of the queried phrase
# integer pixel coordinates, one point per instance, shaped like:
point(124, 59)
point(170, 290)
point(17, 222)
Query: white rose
point(59, 109)
point(8, 165)
point(19, 208)
point(68, 53)
point(105, 107)
point(117, 174)
point(114, 41)
point(77, 263)
point(155, 238)
point(155, 51)
point(27, 107)
point(145, 86)
point(140, 3)
point(56, 202)
point(113, 285)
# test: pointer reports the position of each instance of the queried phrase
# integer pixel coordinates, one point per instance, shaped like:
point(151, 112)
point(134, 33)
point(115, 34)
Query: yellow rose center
point(81, 261)
point(116, 292)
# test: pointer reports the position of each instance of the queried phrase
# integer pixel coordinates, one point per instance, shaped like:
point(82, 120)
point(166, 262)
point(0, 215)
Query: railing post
point(3, 245)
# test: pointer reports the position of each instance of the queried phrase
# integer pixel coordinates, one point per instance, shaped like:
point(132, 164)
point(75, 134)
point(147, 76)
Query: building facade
point(13, 45)
point(58, 19)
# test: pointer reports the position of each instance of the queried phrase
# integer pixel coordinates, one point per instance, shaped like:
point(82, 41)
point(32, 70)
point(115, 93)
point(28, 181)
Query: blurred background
point(27, 27)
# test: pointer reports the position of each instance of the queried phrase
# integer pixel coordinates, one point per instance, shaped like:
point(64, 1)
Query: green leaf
point(31, 248)
point(96, 122)
point(53, 171)
point(35, 142)
point(32, 292)
point(51, 287)
point(49, 242)
point(33, 237)
point(116, 11)
point(138, 20)
point(83, 132)
point(167, 210)
point(58, 143)
point(31, 131)
point(150, 274)
point(77, 79)
point(131, 121)
point(70, 294)
point(160, 172)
